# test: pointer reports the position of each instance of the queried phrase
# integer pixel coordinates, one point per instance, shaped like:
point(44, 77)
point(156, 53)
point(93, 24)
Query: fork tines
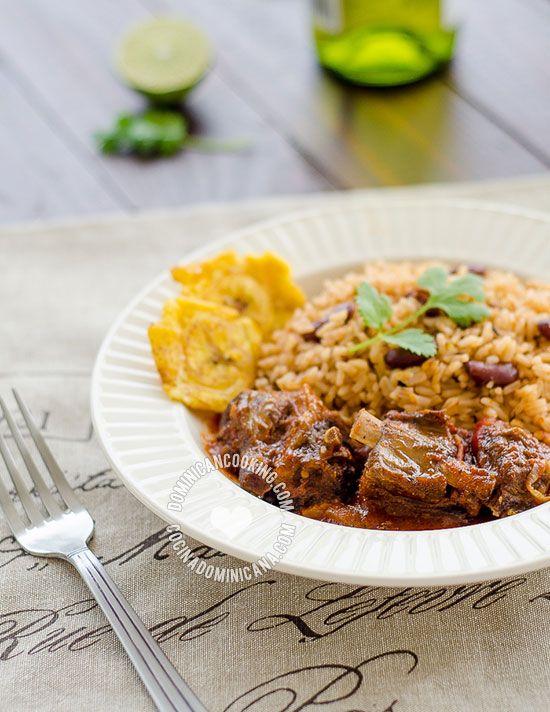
point(29, 504)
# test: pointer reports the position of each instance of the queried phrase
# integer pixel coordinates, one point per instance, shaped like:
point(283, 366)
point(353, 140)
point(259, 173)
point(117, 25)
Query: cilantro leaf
point(433, 279)
point(450, 295)
point(152, 133)
point(415, 340)
point(462, 313)
point(468, 285)
point(375, 308)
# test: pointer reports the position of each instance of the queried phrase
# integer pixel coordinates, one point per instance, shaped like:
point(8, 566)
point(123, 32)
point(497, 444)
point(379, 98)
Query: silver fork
point(64, 534)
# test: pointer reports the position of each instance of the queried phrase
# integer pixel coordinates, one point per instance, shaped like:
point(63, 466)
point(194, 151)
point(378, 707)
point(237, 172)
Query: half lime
point(164, 58)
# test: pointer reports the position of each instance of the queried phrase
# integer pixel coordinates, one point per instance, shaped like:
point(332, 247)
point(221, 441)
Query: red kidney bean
point(401, 358)
point(480, 270)
point(310, 336)
point(348, 307)
point(501, 374)
point(544, 328)
point(421, 295)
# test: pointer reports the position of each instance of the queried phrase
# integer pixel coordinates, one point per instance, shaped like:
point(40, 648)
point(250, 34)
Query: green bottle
point(381, 42)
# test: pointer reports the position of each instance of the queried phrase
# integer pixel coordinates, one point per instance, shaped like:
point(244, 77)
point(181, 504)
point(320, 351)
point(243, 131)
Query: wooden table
point(488, 116)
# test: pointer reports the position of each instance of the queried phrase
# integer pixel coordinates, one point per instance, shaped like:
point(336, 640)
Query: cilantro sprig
point(158, 133)
point(152, 133)
point(461, 298)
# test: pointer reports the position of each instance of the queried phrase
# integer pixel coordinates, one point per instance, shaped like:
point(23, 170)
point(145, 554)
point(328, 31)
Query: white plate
point(150, 440)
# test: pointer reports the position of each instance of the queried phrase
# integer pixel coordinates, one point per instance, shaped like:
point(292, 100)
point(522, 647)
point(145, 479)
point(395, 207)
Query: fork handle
point(169, 691)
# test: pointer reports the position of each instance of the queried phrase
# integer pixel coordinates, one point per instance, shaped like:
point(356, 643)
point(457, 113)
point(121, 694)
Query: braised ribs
point(414, 467)
point(296, 436)
point(521, 464)
point(417, 466)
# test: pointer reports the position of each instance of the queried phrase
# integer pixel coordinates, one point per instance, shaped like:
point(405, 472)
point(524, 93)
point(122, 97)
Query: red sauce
point(353, 515)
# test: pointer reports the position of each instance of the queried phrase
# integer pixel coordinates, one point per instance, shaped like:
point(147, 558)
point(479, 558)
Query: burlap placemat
point(280, 643)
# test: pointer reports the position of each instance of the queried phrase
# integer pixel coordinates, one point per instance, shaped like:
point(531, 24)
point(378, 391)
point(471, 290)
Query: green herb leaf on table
point(153, 133)
point(461, 299)
point(159, 132)
point(415, 340)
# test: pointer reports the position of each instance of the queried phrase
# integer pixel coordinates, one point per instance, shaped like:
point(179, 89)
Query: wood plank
point(63, 52)
point(357, 136)
point(39, 176)
point(502, 65)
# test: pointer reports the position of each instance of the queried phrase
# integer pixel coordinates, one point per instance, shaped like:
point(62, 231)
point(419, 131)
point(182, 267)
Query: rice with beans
point(313, 349)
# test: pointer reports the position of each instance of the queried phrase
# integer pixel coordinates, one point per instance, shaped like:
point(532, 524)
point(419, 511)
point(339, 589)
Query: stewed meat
point(409, 471)
point(417, 466)
point(296, 436)
point(521, 464)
